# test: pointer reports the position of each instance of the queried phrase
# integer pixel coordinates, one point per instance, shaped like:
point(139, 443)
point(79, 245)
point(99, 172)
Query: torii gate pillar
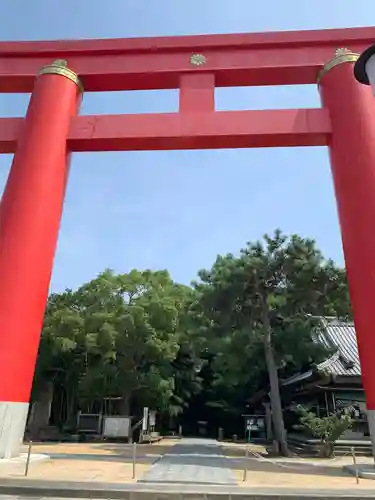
point(30, 215)
point(351, 108)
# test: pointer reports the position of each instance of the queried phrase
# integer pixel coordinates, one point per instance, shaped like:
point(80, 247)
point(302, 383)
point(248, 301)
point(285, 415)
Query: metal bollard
point(245, 465)
point(28, 458)
point(134, 458)
point(355, 465)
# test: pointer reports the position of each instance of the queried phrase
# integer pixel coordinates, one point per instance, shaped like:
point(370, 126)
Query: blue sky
point(179, 209)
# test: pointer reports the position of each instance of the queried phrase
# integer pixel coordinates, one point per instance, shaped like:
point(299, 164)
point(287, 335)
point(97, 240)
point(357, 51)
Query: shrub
point(327, 429)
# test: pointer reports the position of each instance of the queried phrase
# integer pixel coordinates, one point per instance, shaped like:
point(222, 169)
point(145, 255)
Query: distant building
point(332, 385)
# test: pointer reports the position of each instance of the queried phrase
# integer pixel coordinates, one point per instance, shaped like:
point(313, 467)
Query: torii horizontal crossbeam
point(279, 58)
point(212, 130)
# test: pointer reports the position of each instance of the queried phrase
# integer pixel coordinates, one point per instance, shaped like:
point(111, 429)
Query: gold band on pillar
point(60, 67)
point(341, 56)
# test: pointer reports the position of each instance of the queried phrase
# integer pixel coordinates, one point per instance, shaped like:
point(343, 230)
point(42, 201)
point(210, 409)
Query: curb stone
point(142, 491)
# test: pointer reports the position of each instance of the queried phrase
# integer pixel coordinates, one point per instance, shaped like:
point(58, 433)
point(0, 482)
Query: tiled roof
point(340, 336)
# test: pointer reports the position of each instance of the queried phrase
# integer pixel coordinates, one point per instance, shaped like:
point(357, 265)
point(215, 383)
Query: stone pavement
point(104, 470)
point(193, 461)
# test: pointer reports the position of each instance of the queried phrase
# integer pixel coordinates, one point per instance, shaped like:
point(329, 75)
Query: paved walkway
point(192, 461)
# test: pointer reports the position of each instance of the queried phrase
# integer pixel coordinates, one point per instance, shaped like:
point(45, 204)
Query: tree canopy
point(145, 340)
point(260, 308)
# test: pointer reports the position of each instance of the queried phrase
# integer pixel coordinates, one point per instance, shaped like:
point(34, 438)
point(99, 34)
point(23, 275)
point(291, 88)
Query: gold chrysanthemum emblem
point(198, 59)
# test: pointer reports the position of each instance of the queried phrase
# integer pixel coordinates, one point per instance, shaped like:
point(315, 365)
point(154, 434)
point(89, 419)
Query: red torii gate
point(32, 202)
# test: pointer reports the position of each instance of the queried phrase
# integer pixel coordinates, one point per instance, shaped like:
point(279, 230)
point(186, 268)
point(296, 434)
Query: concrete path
point(192, 461)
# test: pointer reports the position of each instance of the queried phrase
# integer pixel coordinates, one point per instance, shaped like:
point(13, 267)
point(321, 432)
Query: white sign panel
point(145, 419)
point(116, 427)
point(152, 418)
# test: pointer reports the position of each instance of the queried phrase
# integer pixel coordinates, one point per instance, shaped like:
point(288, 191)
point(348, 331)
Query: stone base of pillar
point(13, 418)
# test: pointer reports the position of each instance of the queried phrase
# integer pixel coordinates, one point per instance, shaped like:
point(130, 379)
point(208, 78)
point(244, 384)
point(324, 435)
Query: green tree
point(187, 382)
point(131, 322)
point(328, 429)
point(120, 335)
point(260, 310)
point(60, 359)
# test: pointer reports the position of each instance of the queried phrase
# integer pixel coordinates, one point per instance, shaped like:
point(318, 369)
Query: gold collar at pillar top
point(341, 56)
point(60, 67)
